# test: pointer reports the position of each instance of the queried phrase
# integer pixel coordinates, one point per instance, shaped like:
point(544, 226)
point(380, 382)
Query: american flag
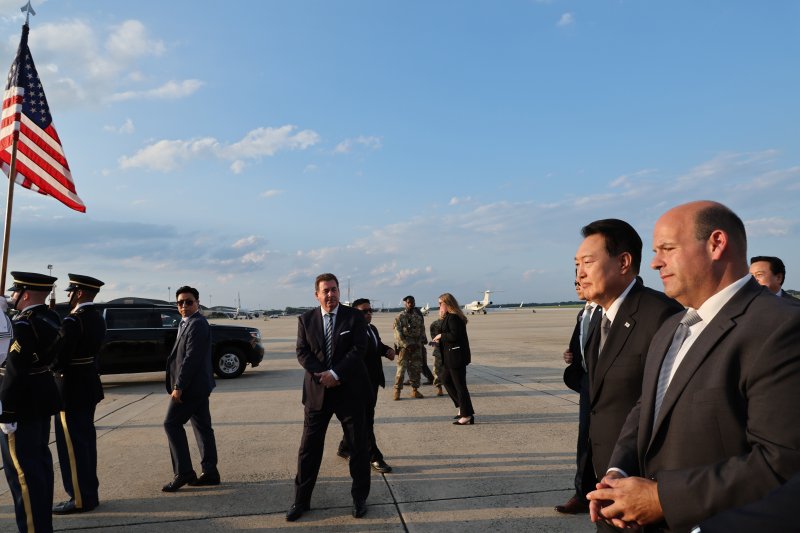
point(41, 164)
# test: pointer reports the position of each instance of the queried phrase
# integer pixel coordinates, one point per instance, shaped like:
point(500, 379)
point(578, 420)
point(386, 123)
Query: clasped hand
point(327, 379)
point(625, 502)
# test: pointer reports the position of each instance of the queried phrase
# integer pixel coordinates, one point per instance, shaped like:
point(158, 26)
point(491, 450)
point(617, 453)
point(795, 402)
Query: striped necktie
point(328, 339)
point(681, 334)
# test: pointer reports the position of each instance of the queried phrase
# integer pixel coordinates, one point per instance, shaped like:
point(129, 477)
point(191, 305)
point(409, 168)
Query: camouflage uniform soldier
point(409, 329)
point(436, 328)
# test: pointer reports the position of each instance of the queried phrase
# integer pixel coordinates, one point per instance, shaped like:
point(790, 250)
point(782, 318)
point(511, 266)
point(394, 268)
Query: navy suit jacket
point(189, 363)
point(728, 431)
point(615, 376)
point(349, 349)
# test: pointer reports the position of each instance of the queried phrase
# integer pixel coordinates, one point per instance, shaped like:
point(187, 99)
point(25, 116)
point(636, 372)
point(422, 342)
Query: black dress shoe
point(344, 454)
point(179, 481)
point(381, 466)
point(574, 505)
point(206, 478)
point(68, 507)
point(296, 511)
point(359, 508)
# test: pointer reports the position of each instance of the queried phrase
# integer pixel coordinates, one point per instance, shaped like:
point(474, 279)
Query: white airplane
point(425, 309)
point(479, 307)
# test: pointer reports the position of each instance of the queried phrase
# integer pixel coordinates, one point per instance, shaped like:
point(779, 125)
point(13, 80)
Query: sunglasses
point(367, 311)
point(185, 303)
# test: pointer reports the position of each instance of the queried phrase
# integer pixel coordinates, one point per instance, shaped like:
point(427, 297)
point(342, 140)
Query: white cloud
point(87, 64)
point(238, 166)
point(271, 193)
point(567, 19)
point(528, 275)
point(169, 155)
point(346, 146)
point(268, 141)
point(247, 242)
point(455, 200)
point(769, 226)
point(171, 90)
point(126, 128)
point(130, 40)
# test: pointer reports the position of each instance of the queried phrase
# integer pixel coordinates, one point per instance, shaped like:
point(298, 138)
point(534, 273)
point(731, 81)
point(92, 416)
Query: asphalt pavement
point(505, 473)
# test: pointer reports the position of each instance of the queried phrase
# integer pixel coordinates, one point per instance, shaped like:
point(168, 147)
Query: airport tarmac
point(505, 473)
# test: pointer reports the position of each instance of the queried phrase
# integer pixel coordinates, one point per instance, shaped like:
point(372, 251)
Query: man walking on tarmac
point(409, 330)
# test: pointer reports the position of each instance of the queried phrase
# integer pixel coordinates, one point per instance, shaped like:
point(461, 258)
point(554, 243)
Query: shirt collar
point(611, 312)
point(324, 312)
point(709, 309)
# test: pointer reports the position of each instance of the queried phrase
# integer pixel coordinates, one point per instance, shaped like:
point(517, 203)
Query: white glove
point(9, 428)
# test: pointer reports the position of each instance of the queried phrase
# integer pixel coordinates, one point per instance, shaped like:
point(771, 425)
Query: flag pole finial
point(28, 10)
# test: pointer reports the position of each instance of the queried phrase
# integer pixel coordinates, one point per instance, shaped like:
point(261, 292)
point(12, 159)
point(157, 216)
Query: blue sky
point(413, 147)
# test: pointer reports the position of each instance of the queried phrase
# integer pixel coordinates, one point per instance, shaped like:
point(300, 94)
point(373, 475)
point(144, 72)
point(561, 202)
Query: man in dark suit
point(577, 379)
point(29, 398)
point(770, 272)
point(189, 383)
point(75, 368)
point(608, 263)
point(372, 359)
point(331, 343)
point(716, 426)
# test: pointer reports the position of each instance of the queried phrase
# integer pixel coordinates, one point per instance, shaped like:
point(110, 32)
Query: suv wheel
point(229, 363)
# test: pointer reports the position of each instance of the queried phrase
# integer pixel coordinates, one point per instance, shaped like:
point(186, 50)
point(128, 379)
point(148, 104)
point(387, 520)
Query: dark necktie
point(328, 339)
point(605, 327)
point(689, 319)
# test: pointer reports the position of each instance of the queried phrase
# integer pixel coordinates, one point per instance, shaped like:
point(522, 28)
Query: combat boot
point(396, 394)
point(416, 394)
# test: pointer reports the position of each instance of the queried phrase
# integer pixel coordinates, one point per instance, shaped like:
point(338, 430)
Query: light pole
point(169, 293)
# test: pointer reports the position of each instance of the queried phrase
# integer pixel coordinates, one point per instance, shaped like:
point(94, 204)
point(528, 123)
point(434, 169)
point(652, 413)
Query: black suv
point(139, 338)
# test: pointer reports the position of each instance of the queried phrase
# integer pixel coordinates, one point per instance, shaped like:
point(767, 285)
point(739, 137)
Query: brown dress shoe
point(439, 391)
point(397, 394)
point(574, 505)
point(416, 394)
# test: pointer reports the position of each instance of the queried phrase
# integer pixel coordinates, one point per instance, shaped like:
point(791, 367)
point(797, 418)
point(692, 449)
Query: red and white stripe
point(41, 164)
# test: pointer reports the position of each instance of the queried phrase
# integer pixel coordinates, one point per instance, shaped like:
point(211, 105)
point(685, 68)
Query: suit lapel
point(621, 329)
point(655, 358)
point(716, 330)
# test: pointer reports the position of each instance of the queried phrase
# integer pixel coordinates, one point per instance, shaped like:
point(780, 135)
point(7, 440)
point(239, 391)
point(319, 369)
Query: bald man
point(717, 425)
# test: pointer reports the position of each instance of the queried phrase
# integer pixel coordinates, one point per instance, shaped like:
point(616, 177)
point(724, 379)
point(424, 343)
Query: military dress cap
point(80, 282)
point(31, 281)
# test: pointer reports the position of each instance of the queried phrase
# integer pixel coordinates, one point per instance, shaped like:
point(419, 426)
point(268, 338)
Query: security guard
point(75, 368)
point(29, 396)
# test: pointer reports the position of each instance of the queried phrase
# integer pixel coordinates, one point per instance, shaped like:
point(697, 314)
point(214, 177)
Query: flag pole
point(12, 176)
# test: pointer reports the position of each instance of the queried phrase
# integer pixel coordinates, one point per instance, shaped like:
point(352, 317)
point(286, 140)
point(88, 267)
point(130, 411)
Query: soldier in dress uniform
point(75, 368)
point(29, 396)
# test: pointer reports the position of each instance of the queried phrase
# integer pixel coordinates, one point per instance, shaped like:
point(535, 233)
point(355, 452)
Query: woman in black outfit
point(454, 346)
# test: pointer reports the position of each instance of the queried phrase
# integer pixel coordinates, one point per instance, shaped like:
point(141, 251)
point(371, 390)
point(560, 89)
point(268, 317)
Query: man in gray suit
point(717, 425)
point(189, 384)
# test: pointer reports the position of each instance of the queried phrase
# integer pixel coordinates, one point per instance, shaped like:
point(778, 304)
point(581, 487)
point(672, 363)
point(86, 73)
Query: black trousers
point(374, 452)
point(455, 381)
point(585, 479)
point(196, 411)
point(76, 441)
point(352, 416)
point(29, 471)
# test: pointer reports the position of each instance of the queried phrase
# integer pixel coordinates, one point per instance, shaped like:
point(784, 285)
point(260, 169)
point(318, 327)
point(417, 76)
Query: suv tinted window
point(132, 319)
point(170, 319)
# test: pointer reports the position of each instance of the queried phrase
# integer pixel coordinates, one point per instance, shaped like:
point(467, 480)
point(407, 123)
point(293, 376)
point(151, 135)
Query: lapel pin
point(627, 324)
